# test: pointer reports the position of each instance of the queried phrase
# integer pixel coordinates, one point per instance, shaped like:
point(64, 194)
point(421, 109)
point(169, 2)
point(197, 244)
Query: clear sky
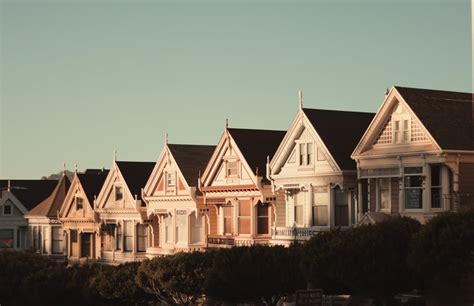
point(80, 79)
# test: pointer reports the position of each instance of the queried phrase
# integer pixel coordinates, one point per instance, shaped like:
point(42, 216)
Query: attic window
point(401, 130)
point(306, 154)
point(79, 203)
point(170, 179)
point(7, 209)
point(232, 169)
point(118, 193)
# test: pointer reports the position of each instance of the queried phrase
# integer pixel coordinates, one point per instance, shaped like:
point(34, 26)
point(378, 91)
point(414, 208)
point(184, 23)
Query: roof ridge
point(437, 90)
point(337, 111)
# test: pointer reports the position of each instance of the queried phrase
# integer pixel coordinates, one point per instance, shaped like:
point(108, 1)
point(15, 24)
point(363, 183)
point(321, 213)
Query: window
point(320, 209)
point(262, 219)
point(119, 237)
point(128, 236)
point(73, 236)
point(413, 186)
point(57, 240)
point(383, 193)
point(196, 235)
point(181, 226)
point(228, 216)
point(401, 131)
point(306, 154)
point(118, 193)
point(79, 203)
point(168, 229)
point(298, 210)
point(232, 169)
point(341, 207)
point(6, 238)
point(244, 217)
point(170, 179)
point(107, 237)
point(436, 189)
point(7, 209)
point(142, 236)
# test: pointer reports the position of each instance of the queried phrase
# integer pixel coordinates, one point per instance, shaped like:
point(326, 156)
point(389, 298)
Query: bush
point(444, 248)
point(254, 273)
point(368, 260)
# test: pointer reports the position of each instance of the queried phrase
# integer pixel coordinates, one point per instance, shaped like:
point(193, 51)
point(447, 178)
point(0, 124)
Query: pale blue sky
point(82, 78)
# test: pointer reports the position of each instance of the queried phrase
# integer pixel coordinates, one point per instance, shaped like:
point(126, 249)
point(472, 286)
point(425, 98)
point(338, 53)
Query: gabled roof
point(52, 204)
point(340, 131)
point(256, 145)
point(30, 192)
point(92, 181)
point(191, 159)
point(447, 115)
point(136, 175)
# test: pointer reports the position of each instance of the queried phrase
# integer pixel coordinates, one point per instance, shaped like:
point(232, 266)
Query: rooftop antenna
point(300, 99)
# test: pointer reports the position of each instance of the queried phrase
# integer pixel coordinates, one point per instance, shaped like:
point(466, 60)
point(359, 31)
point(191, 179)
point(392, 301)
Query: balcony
point(285, 235)
point(220, 241)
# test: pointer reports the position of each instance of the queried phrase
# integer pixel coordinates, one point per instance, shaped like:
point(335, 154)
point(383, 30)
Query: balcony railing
point(294, 232)
point(221, 241)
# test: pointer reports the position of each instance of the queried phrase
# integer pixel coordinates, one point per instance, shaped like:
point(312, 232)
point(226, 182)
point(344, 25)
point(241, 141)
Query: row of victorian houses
point(330, 169)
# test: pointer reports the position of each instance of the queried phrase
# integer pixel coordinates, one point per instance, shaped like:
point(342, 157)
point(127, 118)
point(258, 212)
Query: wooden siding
point(466, 184)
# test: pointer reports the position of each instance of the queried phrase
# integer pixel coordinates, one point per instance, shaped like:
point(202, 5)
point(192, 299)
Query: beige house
point(417, 156)
point(175, 206)
point(313, 169)
point(44, 225)
point(79, 220)
point(124, 230)
point(17, 198)
point(235, 185)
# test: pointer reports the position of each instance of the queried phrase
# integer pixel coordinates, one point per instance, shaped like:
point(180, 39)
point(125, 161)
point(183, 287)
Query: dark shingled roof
point(340, 131)
point(52, 204)
point(191, 159)
point(446, 114)
point(30, 192)
point(92, 181)
point(256, 145)
point(136, 175)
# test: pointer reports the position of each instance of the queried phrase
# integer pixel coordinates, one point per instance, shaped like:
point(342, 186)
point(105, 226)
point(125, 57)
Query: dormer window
point(118, 193)
point(306, 154)
point(79, 203)
point(232, 169)
point(7, 209)
point(170, 179)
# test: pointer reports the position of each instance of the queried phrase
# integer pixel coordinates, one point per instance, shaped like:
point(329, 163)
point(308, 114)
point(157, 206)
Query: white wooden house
point(417, 156)
point(175, 206)
point(313, 169)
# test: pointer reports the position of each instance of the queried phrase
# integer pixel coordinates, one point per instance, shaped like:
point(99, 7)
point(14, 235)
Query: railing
point(295, 232)
point(452, 201)
point(221, 240)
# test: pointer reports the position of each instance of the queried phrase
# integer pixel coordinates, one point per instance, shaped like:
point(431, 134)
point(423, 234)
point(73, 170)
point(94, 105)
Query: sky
point(80, 79)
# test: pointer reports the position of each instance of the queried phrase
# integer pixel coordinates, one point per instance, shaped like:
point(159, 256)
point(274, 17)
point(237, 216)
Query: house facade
point(235, 186)
point(124, 228)
point(175, 206)
point(18, 197)
point(80, 223)
point(44, 225)
point(313, 170)
point(417, 156)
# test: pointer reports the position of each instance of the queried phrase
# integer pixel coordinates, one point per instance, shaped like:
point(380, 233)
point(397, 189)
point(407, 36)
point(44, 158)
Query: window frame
point(118, 187)
point(247, 218)
point(399, 129)
point(379, 189)
point(5, 205)
point(170, 179)
point(77, 198)
point(237, 169)
point(406, 175)
point(59, 241)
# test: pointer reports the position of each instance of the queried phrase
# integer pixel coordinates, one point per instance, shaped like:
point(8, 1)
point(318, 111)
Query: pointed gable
point(92, 181)
point(340, 131)
point(52, 204)
point(135, 174)
point(447, 115)
point(191, 160)
point(30, 192)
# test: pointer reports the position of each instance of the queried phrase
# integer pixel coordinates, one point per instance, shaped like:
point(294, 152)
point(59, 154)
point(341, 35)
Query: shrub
point(254, 273)
point(444, 248)
point(368, 260)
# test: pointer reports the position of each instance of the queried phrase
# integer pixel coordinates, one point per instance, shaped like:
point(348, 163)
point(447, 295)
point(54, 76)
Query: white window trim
point(404, 188)
point(400, 118)
point(76, 197)
point(237, 162)
point(389, 209)
point(118, 185)
point(173, 179)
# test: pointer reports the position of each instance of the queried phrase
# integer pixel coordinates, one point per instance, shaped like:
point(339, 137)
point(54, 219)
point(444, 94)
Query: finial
point(64, 168)
point(226, 123)
point(166, 138)
point(300, 99)
point(75, 168)
point(115, 155)
point(387, 90)
point(9, 185)
point(268, 159)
